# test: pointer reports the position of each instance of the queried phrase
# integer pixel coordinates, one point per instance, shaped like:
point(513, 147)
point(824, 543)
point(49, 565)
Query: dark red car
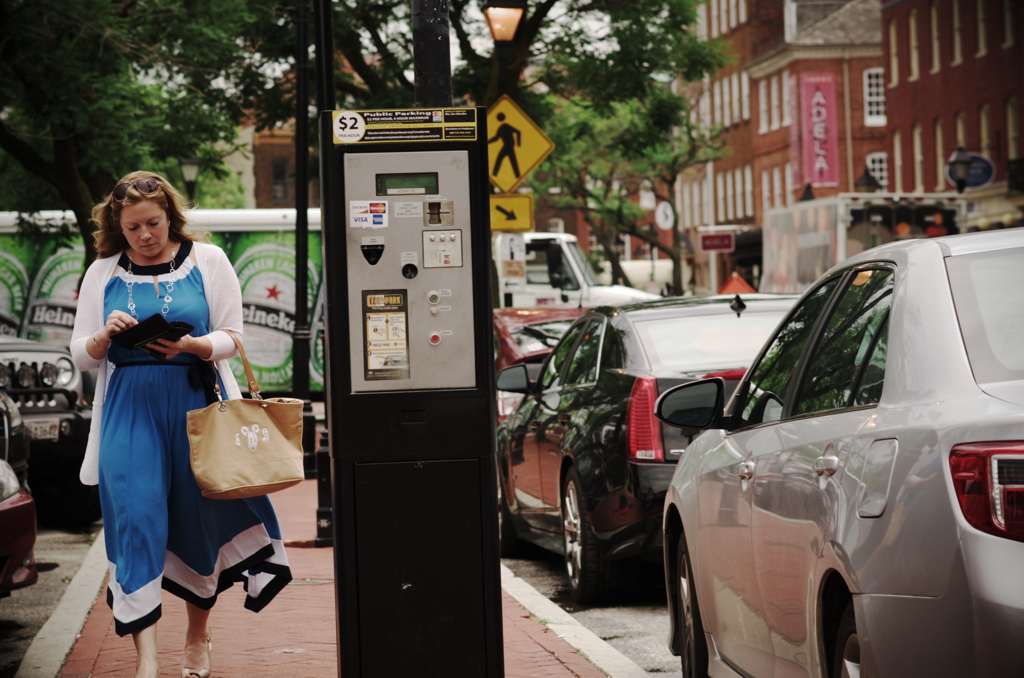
point(526, 335)
point(17, 508)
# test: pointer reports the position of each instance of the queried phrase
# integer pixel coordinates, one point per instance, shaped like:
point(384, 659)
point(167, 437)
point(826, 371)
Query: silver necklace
point(129, 283)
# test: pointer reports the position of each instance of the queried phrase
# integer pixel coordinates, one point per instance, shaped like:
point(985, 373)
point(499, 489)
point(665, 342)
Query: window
point(705, 106)
point(685, 204)
point(730, 214)
point(878, 165)
point(775, 102)
point(723, 21)
point(280, 181)
point(985, 129)
point(726, 103)
point(777, 187)
point(874, 98)
point(702, 22)
point(788, 171)
point(708, 206)
point(585, 361)
point(1012, 129)
point(738, 180)
point(960, 121)
point(549, 375)
point(717, 96)
point(765, 394)
point(958, 38)
point(766, 191)
point(940, 157)
point(714, 17)
point(897, 160)
point(915, 62)
point(720, 197)
point(695, 187)
point(982, 26)
point(748, 184)
point(933, 20)
point(762, 106)
point(894, 54)
point(1008, 19)
point(734, 11)
point(735, 80)
point(743, 11)
point(918, 144)
point(848, 366)
point(745, 94)
point(785, 98)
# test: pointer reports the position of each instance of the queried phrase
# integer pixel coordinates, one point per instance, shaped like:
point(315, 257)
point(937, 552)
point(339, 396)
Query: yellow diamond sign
point(516, 145)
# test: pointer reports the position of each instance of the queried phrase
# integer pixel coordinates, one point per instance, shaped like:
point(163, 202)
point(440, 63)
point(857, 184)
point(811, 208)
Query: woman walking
point(159, 531)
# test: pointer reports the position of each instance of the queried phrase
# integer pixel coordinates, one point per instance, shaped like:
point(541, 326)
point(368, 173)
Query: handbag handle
point(254, 388)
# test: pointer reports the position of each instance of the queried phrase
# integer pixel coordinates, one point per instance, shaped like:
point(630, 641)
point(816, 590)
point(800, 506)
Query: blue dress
point(159, 530)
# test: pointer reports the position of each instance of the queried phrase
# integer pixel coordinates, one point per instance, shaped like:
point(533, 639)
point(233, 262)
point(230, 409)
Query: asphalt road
point(59, 554)
point(637, 627)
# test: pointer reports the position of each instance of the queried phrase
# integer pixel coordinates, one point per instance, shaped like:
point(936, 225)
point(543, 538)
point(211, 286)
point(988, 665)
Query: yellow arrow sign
point(516, 145)
point(512, 212)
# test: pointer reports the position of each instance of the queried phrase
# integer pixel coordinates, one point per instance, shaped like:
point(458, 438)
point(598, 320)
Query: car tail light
point(643, 429)
point(989, 482)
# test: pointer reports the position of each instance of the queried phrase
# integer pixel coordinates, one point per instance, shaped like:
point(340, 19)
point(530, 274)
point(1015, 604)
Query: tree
point(93, 89)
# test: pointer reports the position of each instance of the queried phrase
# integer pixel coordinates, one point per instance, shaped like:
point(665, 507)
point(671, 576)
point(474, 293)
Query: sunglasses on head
point(143, 185)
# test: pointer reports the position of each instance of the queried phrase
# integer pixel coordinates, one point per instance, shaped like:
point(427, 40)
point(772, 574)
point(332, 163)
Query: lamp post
point(961, 163)
point(190, 172)
point(867, 183)
point(503, 17)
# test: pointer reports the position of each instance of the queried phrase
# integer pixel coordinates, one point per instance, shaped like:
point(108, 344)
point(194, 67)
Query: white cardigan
point(224, 297)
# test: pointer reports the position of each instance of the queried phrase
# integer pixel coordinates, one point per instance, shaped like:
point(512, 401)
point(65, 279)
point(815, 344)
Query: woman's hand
point(117, 321)
point(200, 346)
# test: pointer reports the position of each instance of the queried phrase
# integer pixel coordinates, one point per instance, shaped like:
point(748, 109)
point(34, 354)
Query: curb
point(55, 640)
point(590, 646)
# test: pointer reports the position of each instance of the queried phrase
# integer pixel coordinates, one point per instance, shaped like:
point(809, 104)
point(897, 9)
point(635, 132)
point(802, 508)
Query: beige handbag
point(246, 448)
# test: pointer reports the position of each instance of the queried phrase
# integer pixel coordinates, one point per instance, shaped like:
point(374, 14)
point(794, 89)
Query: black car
point(583, 464)
point(50, 393)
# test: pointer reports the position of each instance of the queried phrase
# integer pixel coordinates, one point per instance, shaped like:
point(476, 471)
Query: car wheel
point(693, 646)
point(508, 543)
point(846, 663)
point(587, 575)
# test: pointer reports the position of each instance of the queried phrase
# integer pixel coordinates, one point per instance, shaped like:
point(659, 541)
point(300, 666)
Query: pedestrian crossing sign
point(516, 145)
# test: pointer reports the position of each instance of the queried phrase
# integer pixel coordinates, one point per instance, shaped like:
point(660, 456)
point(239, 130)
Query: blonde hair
point(106, 215)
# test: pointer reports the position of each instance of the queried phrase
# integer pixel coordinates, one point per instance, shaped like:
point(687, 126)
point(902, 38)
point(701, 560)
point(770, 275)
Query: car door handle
point(826, 465)
point(745, 470)
point(564, 418)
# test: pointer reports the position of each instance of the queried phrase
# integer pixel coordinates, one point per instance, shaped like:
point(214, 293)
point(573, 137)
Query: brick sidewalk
point(296, 634)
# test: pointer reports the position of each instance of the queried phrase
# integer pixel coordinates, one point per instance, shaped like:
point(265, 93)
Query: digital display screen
point(412, 183)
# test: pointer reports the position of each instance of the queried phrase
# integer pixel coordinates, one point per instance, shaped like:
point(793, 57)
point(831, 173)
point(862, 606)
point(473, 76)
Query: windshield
point(988, 292)
point(581, 263)
point(706, 342)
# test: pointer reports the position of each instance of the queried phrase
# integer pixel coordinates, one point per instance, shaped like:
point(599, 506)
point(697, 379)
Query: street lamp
point(867, 183)
point(961, 163)
point(190, 172)
point(503, 17)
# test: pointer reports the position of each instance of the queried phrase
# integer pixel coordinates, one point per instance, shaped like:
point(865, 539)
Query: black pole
point(432, 61)
point(300, 336)
point(325, 90)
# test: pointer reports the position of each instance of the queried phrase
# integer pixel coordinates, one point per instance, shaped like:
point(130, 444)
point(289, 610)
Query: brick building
point(955, 77)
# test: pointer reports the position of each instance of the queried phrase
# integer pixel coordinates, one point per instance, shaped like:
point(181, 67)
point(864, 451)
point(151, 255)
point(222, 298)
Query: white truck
point(802, 241)
point(548, 269)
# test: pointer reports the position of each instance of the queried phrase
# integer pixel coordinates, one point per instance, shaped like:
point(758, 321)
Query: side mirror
point(554, 258)
point(697, 404)
point(514, 379)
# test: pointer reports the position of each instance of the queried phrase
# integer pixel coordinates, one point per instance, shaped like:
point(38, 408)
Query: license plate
point(43, 429)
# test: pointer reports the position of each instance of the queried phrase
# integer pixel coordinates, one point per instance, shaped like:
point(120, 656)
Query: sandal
point(199, 673)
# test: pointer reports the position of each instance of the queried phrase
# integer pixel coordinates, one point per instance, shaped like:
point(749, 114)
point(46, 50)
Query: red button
point(434, 338)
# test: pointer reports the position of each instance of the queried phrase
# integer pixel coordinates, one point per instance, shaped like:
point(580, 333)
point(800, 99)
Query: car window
point(583, 366)
point(988, 292)
point(549, 375)
point(705, 342)
point(764, 393)
point(540, 336)
point(849, 362)
point(537, 265)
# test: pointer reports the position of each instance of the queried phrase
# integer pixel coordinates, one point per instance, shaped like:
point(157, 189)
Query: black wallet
point(148, 331)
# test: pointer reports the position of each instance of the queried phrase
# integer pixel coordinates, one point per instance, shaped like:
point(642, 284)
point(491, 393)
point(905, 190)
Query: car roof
point(947, 245)
point(707, 305)
point(517, 317)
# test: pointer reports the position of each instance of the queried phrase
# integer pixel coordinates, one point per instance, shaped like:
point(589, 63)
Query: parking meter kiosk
point(410, 394)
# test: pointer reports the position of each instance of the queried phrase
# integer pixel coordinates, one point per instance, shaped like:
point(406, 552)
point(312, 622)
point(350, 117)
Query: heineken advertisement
point(317, 363)
point(52, 303)
point(265, 265)
point(16, 261)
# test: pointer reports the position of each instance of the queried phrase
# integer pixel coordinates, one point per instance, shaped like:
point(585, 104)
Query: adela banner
point(39, 298)
point(819, 127)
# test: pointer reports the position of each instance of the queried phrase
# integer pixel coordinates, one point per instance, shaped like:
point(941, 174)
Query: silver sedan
point(857, 507)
